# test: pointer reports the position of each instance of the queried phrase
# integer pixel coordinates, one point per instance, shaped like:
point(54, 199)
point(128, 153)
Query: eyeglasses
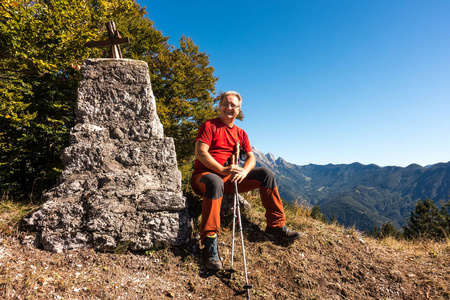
point(232, 106)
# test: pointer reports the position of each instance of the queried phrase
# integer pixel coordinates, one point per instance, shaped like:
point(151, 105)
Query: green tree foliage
point(427, 221)
point(445, 211)
point(333, 220)
point(39, 41)
point(42, 50)
point(317, 215)
point(386, 230)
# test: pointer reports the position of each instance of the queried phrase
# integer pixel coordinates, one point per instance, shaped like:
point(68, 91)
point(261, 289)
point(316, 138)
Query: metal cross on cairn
point(114, 41)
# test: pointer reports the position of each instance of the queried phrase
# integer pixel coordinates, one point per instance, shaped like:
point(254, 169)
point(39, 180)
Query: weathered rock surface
point(226, 209)
point(120, 184)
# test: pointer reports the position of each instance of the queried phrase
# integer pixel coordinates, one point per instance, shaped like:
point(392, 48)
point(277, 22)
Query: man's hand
point(231, 169)
point(237, 173)
point(239, 176)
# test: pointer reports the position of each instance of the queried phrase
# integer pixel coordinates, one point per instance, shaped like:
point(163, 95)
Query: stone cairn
point(120, 185)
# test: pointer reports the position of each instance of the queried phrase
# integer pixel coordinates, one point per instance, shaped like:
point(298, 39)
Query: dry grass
point(11, 213)
point(328, 262)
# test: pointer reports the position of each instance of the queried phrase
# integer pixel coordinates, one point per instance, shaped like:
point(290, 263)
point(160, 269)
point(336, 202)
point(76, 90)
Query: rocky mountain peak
point(270, 157)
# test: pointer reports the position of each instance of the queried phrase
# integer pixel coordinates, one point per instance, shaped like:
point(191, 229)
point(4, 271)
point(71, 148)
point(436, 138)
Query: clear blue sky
point(329, 81)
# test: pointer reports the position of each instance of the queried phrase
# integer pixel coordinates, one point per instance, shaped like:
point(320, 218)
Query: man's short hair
point(230, 93)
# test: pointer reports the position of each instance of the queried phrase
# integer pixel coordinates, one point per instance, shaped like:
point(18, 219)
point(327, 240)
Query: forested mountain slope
point(360, 195)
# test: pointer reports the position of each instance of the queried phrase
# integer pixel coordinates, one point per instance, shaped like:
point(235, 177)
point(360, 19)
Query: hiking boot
point(211, 254)
point(283, 234)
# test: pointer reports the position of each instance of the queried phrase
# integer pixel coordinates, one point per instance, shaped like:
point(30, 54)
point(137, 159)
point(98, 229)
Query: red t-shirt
point(221, 140)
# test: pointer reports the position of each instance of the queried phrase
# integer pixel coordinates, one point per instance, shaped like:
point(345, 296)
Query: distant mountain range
point(359, 195)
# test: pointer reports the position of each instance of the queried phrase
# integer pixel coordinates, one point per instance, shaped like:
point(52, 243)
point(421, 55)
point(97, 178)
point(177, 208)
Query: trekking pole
point(246, 286)
point(237, 213)
point(232, 270)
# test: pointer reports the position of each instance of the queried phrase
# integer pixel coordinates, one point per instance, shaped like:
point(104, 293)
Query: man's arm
point(202, 154)
point(250, 162)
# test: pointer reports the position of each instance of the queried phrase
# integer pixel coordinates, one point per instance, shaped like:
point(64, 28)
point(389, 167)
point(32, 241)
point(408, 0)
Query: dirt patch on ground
point(328, 262)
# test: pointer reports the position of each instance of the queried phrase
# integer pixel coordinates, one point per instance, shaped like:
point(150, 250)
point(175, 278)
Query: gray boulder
point(121, 184)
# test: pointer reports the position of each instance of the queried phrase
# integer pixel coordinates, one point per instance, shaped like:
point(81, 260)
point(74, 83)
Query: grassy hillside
point(328, 262)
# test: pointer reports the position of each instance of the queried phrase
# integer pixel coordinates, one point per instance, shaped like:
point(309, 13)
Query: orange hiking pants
point(212, 187)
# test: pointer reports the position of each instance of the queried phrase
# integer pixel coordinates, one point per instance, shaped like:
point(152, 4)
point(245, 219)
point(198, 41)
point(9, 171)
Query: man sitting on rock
point(212, 177)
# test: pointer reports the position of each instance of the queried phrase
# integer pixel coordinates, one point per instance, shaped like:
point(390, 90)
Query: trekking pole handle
point(237, 145)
